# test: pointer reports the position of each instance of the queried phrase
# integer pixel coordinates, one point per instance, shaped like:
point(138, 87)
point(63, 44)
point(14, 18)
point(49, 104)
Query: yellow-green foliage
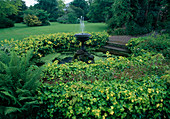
point(32, 20)
point(45, 44)
point(155, 44)
point(148, 98)
point(108, 69)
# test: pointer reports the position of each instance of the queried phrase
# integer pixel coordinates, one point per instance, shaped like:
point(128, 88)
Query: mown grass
point(21, 31)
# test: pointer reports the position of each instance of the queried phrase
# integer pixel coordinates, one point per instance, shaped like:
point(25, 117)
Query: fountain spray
point(82, 23)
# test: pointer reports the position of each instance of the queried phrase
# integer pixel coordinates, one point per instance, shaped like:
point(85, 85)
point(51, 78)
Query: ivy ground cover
point(116, 87)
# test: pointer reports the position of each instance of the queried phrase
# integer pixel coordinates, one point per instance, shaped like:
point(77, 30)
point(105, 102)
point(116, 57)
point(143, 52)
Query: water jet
point(82, 54)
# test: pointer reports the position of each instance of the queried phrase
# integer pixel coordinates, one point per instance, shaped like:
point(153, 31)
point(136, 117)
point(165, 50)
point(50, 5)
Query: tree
point(100, 10)
point(53, 7)
point(47, 5)
point(18, 18)
point(137, 16)
point(7, 8)
point(81, 4)
point(121, 13)
point(70, 17)
point(78, 11)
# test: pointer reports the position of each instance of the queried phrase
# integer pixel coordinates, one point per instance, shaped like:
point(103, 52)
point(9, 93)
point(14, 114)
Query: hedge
point(45, 44)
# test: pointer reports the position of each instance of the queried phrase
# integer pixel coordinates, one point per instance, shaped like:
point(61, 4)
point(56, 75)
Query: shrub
point(132, 28)
point(63, 19)
point(18, 84)
point(42, 15)
point(32, 20)
point(147, 98)
point(118, 31)
point(45, 44)
point(69, 18)
point(72, 19)
point(156, 44)
point(5, 23)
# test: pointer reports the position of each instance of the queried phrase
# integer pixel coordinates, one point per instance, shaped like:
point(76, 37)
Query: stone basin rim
point(79, 35)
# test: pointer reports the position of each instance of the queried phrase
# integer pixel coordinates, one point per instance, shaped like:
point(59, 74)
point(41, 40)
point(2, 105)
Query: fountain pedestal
point(82, 54)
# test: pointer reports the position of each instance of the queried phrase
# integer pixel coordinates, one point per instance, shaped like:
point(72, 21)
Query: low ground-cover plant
point(18, 83)
point(116, 87)
point(155, 44)
point(45, 44)
point(147, 98)
point(108, 69)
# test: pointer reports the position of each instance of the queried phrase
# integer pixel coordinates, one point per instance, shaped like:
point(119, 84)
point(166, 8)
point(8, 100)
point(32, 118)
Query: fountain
point(82, 54)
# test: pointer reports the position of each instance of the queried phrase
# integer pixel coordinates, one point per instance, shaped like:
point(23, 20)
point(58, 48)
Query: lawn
point(21, 31)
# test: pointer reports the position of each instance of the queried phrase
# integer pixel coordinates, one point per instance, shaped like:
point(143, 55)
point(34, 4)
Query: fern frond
point(2, 97)
point(4, 88)
point(18, 83)
point(3, 67)
point(4, 57)
point(3, 80)
point(26, 98)
point(25, 60)
point(2, 77)
point(14, 59)
point(22, 92)
point(7, 94)
point(32, 79)
point(29, 55)
point(9, 110)
point(33, 104)
point(13, 65)
point(2, 108)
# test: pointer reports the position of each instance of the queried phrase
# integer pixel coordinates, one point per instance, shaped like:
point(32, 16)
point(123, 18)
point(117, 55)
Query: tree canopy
point(9, 7)
point(100, 10)
point(47, 5)
point(53, 7)
point(81, 5)
point(137, 16)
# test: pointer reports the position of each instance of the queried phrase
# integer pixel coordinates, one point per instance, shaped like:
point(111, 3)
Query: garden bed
point(113, 87)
